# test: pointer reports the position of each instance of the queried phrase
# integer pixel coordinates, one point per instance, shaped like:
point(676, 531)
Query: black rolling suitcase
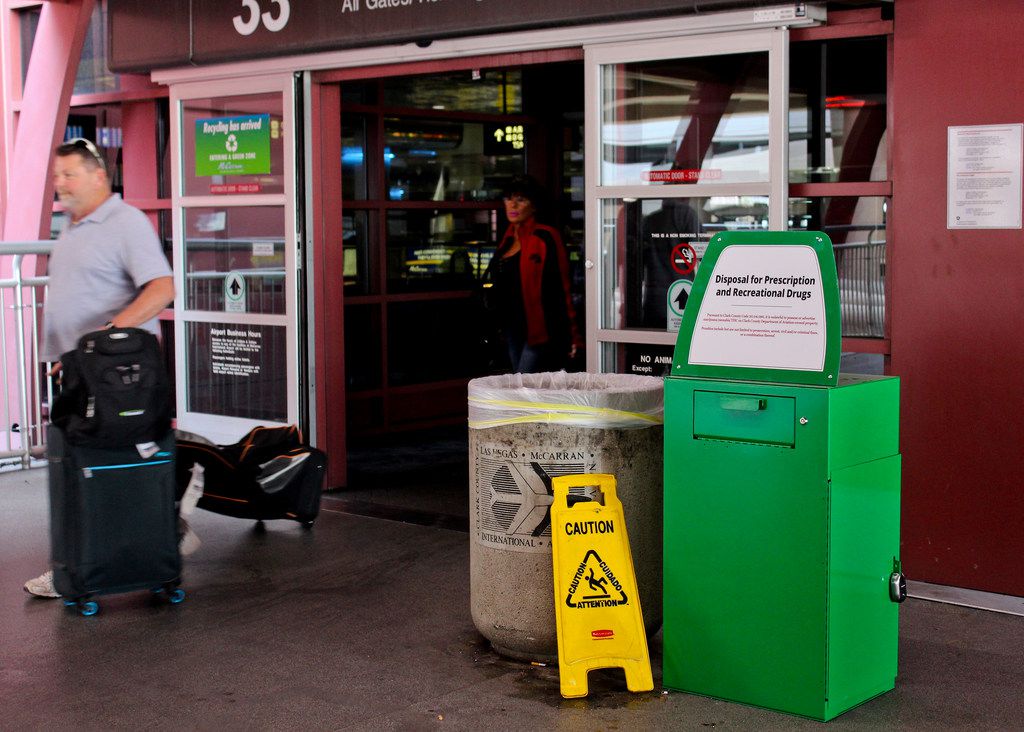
point(268, 474)
point(113, 520)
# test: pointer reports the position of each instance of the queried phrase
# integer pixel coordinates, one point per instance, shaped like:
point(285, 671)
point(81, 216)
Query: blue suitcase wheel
point(88, 608)
point(176, 595)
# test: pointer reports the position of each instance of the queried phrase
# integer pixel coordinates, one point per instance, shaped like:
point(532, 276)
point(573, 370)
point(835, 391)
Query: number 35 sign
point(247, 26)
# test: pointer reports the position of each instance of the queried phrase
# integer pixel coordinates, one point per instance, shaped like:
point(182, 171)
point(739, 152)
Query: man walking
point(107, 269)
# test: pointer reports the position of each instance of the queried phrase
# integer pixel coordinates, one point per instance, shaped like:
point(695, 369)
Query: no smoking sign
point(683, 258)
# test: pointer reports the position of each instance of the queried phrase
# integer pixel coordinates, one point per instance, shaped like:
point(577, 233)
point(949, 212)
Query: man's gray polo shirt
point(98, 266)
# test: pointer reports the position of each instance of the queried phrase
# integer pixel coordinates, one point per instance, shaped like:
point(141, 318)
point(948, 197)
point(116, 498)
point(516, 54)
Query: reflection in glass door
point(685, 140)
point(418, 232)
point(424, 160)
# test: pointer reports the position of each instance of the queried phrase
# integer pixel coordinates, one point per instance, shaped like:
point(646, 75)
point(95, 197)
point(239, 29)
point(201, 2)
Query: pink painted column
point(44, 113)
point(49, 82)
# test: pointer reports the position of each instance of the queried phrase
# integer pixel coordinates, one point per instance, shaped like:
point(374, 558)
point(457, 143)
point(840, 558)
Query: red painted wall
point(958, 303)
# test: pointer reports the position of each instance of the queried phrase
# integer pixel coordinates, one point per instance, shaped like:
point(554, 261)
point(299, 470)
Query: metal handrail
point(41, 246)
point(30, 432)
point(861, 270)
point(265, 272)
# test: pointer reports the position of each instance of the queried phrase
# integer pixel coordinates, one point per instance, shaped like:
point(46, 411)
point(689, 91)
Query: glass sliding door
point(424, 159)
point(237, 314)
point(685, 138)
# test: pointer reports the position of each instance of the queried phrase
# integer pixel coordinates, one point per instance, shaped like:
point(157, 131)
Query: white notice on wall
point(983, 180)
point(764, 308)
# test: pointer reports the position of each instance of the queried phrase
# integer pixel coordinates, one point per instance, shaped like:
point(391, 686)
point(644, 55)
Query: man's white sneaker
point(42, 586)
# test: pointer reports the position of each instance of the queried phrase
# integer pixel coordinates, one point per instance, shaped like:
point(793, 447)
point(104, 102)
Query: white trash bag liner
point(603, 401)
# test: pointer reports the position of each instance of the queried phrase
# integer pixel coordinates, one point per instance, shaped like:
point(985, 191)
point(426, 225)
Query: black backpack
point(115, 390)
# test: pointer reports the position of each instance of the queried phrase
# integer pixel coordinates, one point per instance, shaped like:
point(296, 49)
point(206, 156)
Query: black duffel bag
point(115, 391)
point(271, 473)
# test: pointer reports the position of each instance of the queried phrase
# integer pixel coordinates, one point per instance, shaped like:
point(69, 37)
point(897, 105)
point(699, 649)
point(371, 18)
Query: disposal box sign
point(233, 145)
point(763, 308)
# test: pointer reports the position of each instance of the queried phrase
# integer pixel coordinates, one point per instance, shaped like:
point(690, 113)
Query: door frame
point(220, 428)
point(327, 391)
point(775, 42)
point(320, 68)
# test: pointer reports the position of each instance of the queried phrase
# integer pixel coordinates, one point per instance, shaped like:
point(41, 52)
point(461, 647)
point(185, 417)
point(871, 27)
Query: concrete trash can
point(524, 430)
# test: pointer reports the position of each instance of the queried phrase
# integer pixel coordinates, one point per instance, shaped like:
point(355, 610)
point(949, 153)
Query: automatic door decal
point(513, 494)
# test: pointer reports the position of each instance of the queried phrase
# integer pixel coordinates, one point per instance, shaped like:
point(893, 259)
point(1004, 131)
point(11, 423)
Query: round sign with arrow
point(683, 258)
point(234, 293)
point(678, 294)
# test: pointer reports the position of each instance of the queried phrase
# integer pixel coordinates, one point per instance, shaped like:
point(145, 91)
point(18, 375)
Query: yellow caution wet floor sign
point(597, 606)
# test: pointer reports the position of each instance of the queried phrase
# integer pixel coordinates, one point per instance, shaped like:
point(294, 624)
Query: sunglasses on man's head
point(84, 144)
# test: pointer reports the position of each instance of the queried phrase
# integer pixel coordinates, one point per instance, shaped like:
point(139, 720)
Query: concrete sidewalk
point(363, 624)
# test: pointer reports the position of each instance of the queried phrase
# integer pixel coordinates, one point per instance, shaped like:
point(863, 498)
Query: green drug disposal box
point(782, 489)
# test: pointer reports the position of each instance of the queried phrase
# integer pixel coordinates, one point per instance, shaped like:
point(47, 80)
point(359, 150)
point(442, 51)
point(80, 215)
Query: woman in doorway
point(531, 279)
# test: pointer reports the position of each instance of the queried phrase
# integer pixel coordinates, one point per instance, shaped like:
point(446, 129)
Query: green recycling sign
point(233, 145)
